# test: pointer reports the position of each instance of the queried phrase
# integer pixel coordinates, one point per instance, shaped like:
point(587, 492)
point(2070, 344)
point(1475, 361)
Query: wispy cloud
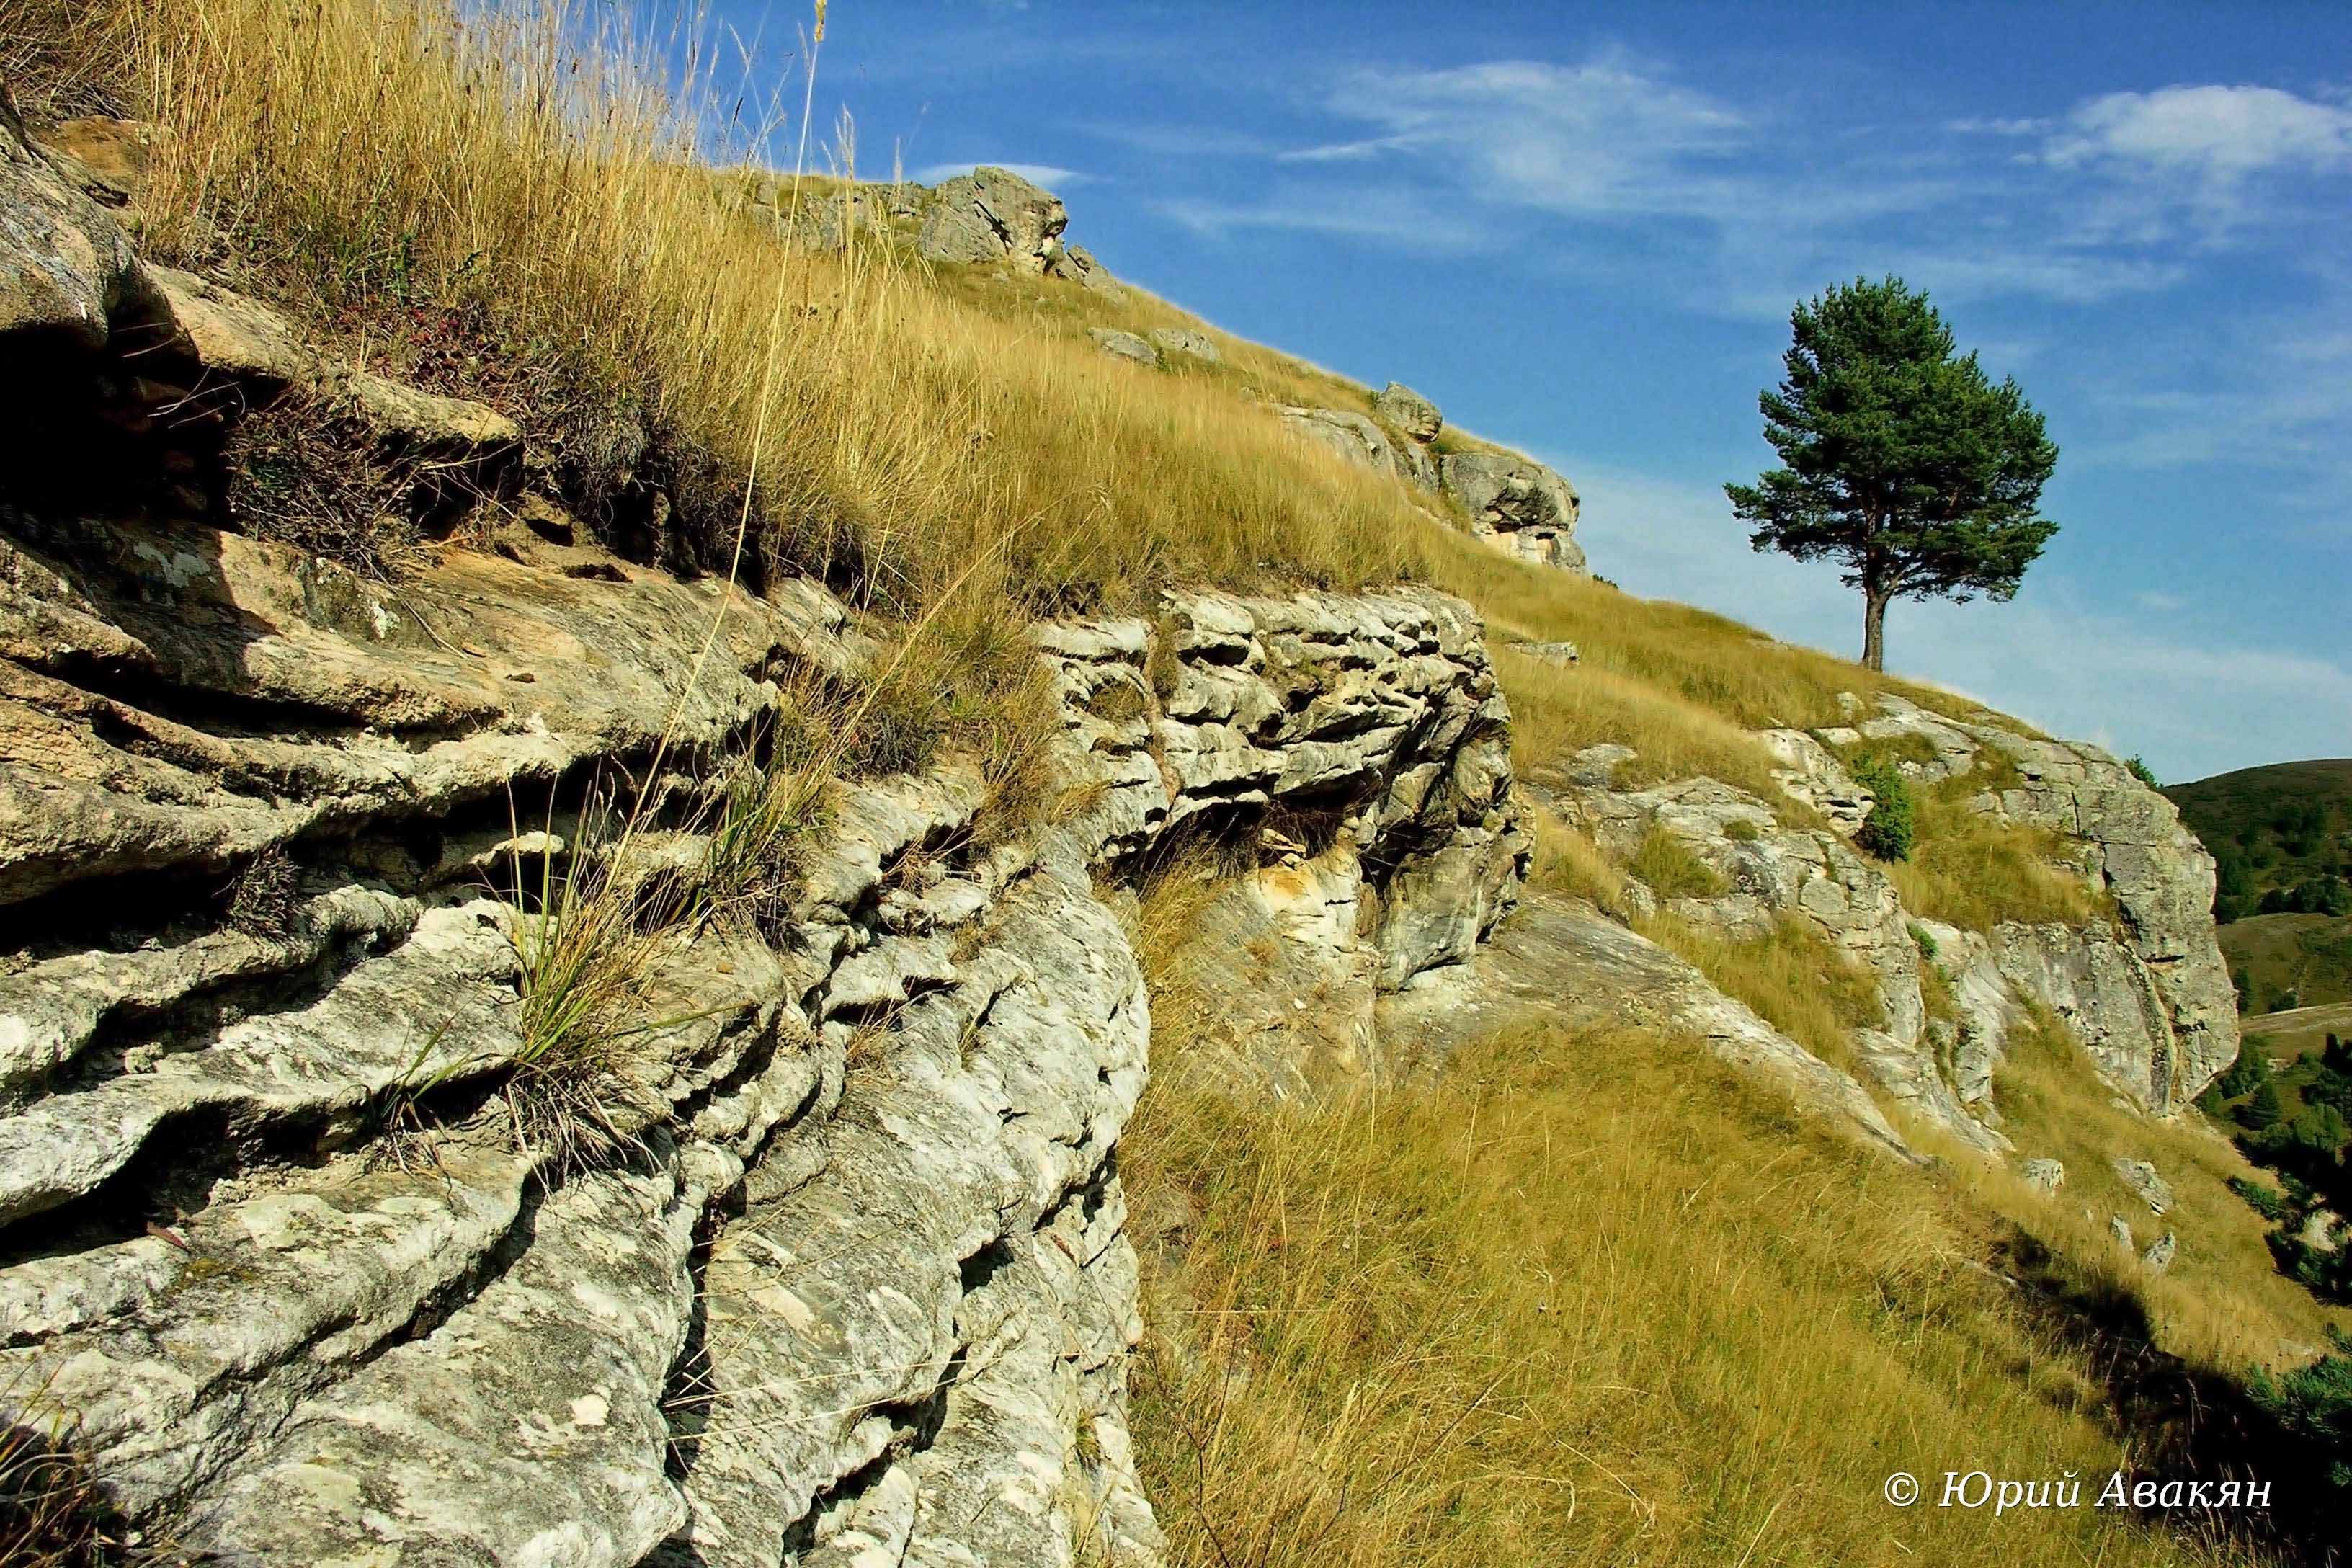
point(2213, 133)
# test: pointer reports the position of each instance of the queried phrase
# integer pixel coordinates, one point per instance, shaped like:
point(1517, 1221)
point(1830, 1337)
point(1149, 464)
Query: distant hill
point(2289, 960)
point(2281, 835)
point(2282, 840)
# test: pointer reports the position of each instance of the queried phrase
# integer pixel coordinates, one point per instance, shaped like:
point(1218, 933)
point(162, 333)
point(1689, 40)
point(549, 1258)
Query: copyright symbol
point(1902, 1489)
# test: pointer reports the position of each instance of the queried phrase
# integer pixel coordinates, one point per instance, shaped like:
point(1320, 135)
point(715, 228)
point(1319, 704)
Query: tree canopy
point(1902, 460)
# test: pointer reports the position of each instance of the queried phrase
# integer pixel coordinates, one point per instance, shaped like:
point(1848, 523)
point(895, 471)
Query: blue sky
point(1580, 231)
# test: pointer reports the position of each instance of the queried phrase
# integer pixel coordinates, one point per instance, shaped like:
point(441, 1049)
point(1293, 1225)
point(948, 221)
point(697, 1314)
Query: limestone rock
point(1563, 653)
point(2121, 1231)
point(2160, 1253)
point(1517, 505)
point(1563, 961)
point(2044, 1176)
point(1810, 774)
point(991, 214)
point(1352, 436)
point(1077, 264)
point(1767, 871)
point(65, 264)
point(1412, 413)
point(2141, 1178)
point(1185, 341)
point(1124, 346)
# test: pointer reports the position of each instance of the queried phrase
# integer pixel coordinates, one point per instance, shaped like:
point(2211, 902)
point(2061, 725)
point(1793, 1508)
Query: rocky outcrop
point(334, 1254)
point(1186, 340)
point(1561, 963)
point(1767, 871)
point(994, 215)
point(1414, 416)
point(2148, 994)
point(1124, 346)
point(1811, 774)
point(1358, 439)
point(65, 264)
point(1516, 504)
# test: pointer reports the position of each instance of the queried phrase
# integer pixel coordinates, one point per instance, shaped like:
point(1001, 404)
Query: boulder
point(1412, 413)
point(1123, 345)
point(2141, 1178)
point(994, 215)
point(1811, 773)
point(1550, 652)
point(1077, 264)
point(1351, 437)
point(2158, 1255)
point(2044, 1176)
point(1185, 341)
point(2121, 1231)
point(1517, 505)
point(65, 264)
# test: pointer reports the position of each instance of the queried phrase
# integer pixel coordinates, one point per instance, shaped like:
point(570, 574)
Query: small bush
point(2142, 772)
point(1922, 940)
point(2264, 1200)
point(1672, 870)
point(1739, 830)
point(1885, 833)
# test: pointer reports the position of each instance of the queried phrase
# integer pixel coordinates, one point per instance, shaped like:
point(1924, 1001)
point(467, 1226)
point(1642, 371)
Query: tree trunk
point(1874, 627)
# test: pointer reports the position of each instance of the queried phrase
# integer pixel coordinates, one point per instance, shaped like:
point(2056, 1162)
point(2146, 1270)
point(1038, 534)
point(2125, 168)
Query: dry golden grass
point(1586, 1302)
point(1567, 861)
point(2224, 1303)
point(1968, 869)
point(1793, 979)
point(535, 205)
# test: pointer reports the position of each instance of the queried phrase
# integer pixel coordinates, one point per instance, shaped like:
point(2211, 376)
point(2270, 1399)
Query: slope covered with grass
point(1586, 1299)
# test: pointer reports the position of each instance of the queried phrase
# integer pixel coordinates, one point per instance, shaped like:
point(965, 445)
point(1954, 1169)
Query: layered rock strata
point(821, 1257)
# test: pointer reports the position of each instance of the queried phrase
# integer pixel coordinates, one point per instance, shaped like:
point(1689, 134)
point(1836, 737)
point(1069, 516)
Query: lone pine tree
point(1902, 460)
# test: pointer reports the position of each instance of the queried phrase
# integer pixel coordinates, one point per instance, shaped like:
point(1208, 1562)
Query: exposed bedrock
point(853, 1277)
point(2150, 994)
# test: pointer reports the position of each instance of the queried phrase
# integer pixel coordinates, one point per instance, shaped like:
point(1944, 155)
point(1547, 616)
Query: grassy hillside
point(1587, 1300)
point(2281, 835)
point(2289, 960)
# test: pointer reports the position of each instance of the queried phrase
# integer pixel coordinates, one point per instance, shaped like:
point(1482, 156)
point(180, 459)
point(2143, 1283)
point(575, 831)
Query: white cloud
point(1044, 176)
point(2213, 132)
point(2128, 682)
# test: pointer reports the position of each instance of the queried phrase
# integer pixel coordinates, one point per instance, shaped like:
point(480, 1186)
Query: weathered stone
point(1550, 652)
point(1413, 415)
point(1185, 341)
point(2044, 1176)
point(1123, 345)
point(1810, 774)
point(2121, 1230)
point(992, 214)
point(2141, 1178)
point(65, 266)
point(1517, 505)
point(1767, 872)
point(1563, 962)
point(2159, 1254)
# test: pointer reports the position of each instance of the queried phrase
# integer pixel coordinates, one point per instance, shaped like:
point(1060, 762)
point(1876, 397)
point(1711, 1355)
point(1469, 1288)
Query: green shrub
point(2264, 1200)
point(1739, 830)
point(2142, 772)
point(1885, 833)
point(2315, 1404)
point(1922, 940)
point(2264, 1110)
point(2248, 1072)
